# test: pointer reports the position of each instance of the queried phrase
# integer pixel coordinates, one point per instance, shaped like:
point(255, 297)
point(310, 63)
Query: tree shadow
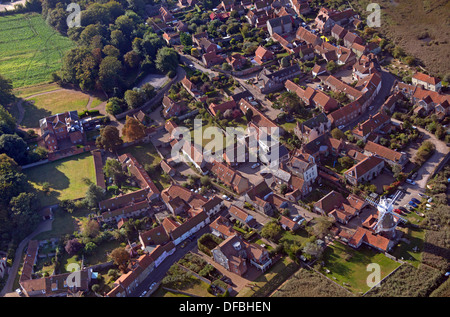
point(32, 114)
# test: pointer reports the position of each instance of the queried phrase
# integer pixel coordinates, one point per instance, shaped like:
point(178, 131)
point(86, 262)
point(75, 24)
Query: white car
point(341, 127)
point(143, 294)
point(255, 165)
point(409, 181)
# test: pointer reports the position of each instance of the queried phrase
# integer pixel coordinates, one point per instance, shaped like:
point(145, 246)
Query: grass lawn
point(349, 266)
point(265, 284)
point(206, 139)
point(52, 103)
point(30, 50)
point(192, 286)
point(64, 176)
point(298, 237)
point(25, 92)
point(146, 153)
point(416, 238)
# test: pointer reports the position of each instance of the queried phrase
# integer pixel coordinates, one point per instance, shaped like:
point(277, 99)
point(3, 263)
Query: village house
point(288, 224)
point(340, 208)
point(211, 59)
point(236, 61)
point(60, 128)
point(230, 177)
point(263, 55)
point(172, 108)
point(365, 170)
point(234, 253)
point(222, 228)
point(268, 82)
point(172, 38)
point(428, 82)
point(179, 199)
point(391, 157)
point(190, 87)
point(280, 25)
point(242, 216)
point(312, 128)
point(371, 126)
point(327, 18)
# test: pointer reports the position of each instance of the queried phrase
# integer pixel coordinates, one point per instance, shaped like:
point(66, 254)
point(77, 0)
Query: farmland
point(30, 50)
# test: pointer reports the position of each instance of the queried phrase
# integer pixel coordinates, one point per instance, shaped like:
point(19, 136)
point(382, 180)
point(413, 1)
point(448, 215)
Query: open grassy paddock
point(64, 176)
point(348, 267)
point(30, 50)
point(51, 103)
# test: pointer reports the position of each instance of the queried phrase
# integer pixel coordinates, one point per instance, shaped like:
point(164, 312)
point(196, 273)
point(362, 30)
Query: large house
point(280, 25)
point(268, 82)
point(312, 128)
point(365, 170)
point(427, 81)
point(340, 208)
point(391, 157)
point(230, 177)
point(327, 18)
point(235, 255)
point(61, 127)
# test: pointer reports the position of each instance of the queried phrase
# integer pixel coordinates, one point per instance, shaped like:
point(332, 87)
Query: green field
point(348, 267)
point(64, 176)
point(30, 50)
point(51, 103)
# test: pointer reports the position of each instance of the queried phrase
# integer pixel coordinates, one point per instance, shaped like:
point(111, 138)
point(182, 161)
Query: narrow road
point(42, 227)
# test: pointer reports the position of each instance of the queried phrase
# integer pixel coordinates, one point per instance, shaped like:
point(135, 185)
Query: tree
point(120, 257)
point(7, 122)
point(332, 67)
point(322, 226)
point(110, 73)
point(345, 162)
point(113, 169)
point(14, 146)
point(109, 139)
point(133, 130)
point(12, 180)
point(24, 213)
point(132, 59)
point(185, 39)
point(133, 98)
point(73, 247)
point(283, 189)
point(6, 95)
point(312, 250)
point(90, 228)
point(166, 59)
point(249, 114)
point(115, 105)
point(94, 195)
point(336, 133)
point(271, 230)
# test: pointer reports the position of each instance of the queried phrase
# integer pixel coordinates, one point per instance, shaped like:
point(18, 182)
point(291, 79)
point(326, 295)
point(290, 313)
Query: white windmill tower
point(387, 220)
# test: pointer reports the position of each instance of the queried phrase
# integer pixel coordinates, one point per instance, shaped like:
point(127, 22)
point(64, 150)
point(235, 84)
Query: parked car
point(341, 127)
point(409, 181)
point(415, 200)
point(411, 203)
point(255, 165)
point(430, 200)
point(414, 175)
point(143, 294)
point(403, 209)
point(398, 211)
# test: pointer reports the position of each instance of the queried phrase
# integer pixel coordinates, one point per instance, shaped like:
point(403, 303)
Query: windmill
point(387, 221)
